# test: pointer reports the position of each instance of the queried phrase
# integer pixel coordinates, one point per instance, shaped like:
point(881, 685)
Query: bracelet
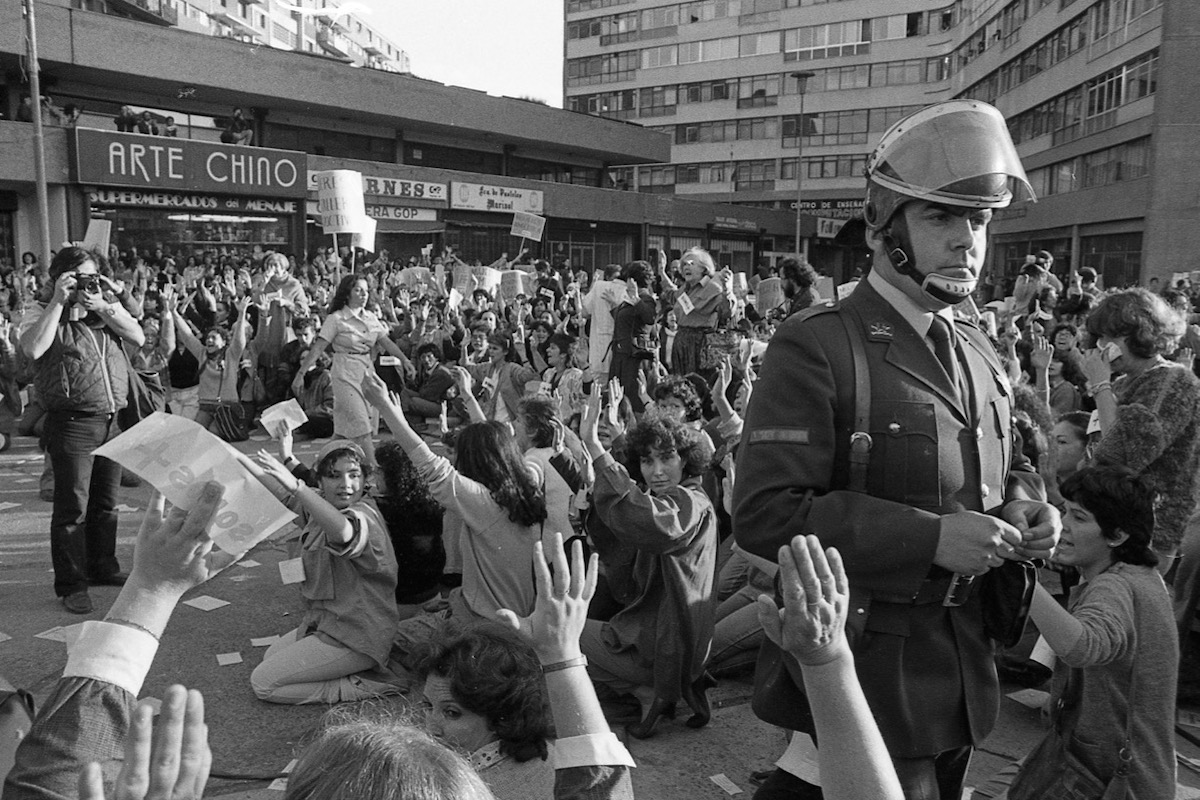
point(1095, 389)
point(580, 661)
point(134, 625)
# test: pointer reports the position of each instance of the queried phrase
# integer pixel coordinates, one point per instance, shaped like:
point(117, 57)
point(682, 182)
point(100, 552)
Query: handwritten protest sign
point(340, 201)
point(528, 226)
point(487, 278)
point(464, 279)
point(825, 287)
point(177, 457)
point(514, 282)
point(768, 295)
point(414, 277)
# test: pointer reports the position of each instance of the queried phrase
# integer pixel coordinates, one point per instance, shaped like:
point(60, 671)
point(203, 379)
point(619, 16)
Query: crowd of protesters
point(604, 412)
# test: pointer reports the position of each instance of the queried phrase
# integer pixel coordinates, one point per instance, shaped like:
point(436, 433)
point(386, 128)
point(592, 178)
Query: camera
point(88, 284)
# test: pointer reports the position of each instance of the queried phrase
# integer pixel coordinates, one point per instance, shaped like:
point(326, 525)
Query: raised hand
point(811, 626)
point(167, 759)
point(560, 611)
point(1042, 351)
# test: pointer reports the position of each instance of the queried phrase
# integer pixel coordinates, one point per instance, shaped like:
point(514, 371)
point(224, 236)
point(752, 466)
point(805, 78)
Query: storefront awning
point(408, 226)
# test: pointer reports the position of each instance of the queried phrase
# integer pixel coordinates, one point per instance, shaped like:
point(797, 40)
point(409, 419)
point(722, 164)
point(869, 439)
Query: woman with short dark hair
point(1113, 695)
point(1149, 407)
point(483, 698)
point(656, 529)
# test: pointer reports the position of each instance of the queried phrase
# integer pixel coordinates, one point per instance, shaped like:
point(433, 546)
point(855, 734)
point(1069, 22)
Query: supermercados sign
point(503, 199)
point(107, 158)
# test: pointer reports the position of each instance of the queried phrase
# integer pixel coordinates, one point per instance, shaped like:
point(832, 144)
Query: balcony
point(333, 43)
point(375, 50)
point(156, 12)
point(235, 22)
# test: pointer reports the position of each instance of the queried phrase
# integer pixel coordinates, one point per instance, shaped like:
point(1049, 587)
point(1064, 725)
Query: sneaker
point(78, 602)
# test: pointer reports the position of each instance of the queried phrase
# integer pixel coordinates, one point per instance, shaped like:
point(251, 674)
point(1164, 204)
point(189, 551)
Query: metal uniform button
point(860, 611)
point(984, 491)
point(979, 433)
point(894, 427)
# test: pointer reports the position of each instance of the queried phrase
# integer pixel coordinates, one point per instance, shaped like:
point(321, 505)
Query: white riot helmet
point(957, 153)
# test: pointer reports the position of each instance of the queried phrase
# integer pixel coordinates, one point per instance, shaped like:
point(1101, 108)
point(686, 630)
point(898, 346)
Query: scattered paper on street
point(264, 641)
point(205, 603)
point(225, 659)
point(721, 780)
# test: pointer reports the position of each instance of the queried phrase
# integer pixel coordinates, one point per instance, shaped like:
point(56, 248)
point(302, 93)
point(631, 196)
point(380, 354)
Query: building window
point(758, 92)
point(1116, 257)
point(657, 101)
point(827, 41)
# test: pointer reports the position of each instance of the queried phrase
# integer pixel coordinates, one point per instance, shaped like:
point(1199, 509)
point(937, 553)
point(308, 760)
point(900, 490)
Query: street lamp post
point(801, 85)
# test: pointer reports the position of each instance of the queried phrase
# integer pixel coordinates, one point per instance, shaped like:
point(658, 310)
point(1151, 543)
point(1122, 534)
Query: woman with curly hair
point(1149, 407)
point(701, 304)
point(503, 508)
point(662, 529)
point(414, 523)
point(353, 332)
point(483, 697)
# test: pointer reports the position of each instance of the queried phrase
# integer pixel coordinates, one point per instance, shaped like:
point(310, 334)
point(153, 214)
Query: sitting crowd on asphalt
point(603, 410)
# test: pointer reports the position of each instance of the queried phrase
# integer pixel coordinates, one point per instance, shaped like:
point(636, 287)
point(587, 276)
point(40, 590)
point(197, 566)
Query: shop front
point(479, 220)
point(191, 198)
point(408, 215)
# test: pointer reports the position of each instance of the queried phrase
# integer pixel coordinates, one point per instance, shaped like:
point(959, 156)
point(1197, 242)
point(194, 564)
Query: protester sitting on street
point(220, 357)
point(340, 650)
point(435, 383)
point(316, 400)
point(502, 381)
point(656, 646)
point(482, 688)
point(564, 381)
point(291, 354)
point(1113, 696)
point(501, 502)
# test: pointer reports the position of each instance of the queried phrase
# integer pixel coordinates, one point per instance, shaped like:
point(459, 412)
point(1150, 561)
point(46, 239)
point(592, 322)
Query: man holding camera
point(74, 339)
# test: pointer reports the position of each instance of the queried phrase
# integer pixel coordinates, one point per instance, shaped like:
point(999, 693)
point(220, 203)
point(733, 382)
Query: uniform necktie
point(942, 336)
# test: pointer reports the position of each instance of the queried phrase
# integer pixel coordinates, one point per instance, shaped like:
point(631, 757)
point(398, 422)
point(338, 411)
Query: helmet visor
point(958, 153)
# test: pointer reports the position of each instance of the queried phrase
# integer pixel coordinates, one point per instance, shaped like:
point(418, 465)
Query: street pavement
point(253, 741)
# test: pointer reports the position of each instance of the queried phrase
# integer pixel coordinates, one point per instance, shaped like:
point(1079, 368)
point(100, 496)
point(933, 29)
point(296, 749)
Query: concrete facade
point(396, 127)
point(1100, 100)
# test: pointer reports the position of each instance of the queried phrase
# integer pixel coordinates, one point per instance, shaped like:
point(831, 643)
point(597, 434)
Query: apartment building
point(307, 26)
point(768, 100)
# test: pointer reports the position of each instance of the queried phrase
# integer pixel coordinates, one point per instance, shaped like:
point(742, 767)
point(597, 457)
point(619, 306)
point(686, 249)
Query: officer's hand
point(970, 543)
point(1038, 523)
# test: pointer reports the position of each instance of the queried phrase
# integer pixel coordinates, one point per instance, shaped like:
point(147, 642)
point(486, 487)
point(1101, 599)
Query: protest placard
point(486, 278)
point(178, 457)
point(825, 287)
point(740, 286)
point(464, 279)
point(514, 282)
point(415, 277)
point(846, 289)
point(768, 295)
point(528, 226)
point(364, 237)
point(340, 201)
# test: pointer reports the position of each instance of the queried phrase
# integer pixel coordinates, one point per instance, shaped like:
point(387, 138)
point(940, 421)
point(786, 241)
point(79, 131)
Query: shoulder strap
point(860, 437)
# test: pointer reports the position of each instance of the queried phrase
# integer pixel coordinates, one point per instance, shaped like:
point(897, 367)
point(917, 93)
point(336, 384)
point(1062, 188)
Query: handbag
point(1053, 772)
point(146, 395)
point(230, 420)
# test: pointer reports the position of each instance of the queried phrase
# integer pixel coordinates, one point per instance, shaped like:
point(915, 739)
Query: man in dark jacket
point(82, 378)
point(913, 487)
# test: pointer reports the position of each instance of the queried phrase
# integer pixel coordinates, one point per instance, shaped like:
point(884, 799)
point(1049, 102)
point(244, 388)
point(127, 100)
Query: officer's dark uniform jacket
point(926, 669)
point(84, 370)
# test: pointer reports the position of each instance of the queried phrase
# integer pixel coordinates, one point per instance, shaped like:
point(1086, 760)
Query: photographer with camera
point(74, 339)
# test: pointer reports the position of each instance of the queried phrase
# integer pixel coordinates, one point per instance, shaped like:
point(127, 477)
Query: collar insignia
point(880, 330)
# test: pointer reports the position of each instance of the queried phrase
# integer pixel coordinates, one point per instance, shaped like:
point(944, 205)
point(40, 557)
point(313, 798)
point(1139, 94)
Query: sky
point(502, 47)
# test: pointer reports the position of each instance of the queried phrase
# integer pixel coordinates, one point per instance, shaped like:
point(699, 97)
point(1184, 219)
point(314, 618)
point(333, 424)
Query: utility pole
point(801, 86)
point(39, 141)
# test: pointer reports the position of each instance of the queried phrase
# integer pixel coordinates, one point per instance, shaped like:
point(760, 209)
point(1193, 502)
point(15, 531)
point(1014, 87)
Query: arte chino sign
point(107, 158)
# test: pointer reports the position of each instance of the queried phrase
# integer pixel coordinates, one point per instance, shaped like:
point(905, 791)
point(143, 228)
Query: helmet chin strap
point(941, 288)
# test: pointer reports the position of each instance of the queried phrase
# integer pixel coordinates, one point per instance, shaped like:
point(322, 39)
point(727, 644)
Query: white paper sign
point(529, 226)
point(340, 200)
point(685, 302)
point(486, 278)
point(846, 289)
point(289, 412)
point(514, 282)
point(226, 659)
point(177, 457)
point(364, 237)
point(768, 295)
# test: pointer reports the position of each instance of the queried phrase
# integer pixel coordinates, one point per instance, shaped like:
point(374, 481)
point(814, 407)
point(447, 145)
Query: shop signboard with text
point(108, 158)
point(501, 199)
point(394, 187)
point(190, 202)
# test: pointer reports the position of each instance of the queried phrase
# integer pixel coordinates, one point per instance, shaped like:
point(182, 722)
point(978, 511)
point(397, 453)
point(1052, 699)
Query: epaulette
point(823, 307)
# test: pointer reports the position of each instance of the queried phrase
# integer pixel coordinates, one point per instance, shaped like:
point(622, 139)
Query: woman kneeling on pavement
point(348, 573)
